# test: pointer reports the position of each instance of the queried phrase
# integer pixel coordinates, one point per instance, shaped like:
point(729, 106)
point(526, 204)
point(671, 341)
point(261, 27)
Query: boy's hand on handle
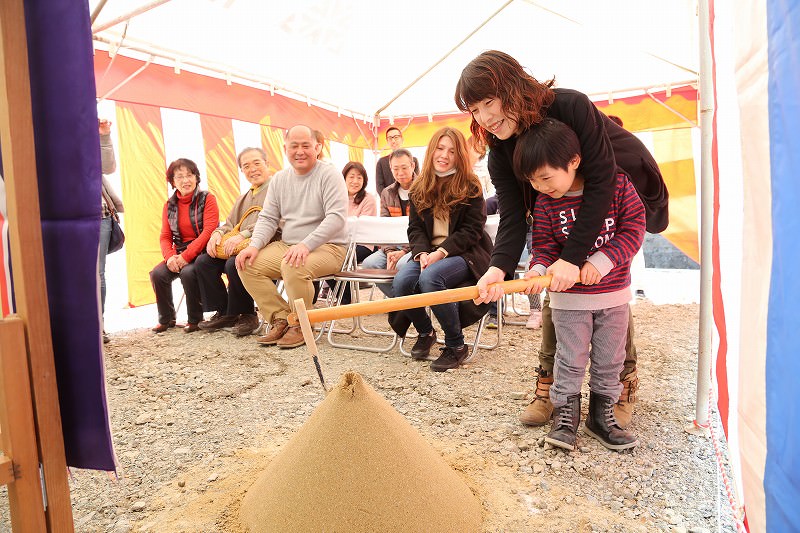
point(589, 274)
point(487, 294)
point(246, 257)
point(564, 273)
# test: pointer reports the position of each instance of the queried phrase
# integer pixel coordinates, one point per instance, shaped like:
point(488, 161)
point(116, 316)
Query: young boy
point(594, 313)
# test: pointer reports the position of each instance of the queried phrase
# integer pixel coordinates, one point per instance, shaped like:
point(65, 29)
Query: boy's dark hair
point(548, 143)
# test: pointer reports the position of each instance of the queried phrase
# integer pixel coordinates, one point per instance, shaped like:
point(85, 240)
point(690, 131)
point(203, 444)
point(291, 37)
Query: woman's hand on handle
point(535, 288)
point(564, 275)
point(490, 294)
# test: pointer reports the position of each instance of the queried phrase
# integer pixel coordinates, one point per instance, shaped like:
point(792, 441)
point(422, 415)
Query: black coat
point(466, 234)
point(606, 148)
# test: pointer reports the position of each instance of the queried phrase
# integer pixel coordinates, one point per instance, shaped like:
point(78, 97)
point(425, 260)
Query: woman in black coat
point(448, 243)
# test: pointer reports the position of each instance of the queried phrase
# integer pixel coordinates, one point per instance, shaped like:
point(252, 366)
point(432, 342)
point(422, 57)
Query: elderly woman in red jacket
point(190, 216)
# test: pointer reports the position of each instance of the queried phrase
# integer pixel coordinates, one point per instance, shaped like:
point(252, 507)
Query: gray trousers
point(582, 336)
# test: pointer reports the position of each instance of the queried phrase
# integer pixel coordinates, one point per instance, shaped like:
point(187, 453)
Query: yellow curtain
point(673, 151)
point(272, 142)
point(142, 164)
point(355, 154)
point(221, 167)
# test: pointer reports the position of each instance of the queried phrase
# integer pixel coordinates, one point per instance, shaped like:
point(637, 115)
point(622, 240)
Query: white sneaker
point(534, 320)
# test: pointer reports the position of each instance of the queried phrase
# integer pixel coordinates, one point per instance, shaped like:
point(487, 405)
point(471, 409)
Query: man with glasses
point(383, 174)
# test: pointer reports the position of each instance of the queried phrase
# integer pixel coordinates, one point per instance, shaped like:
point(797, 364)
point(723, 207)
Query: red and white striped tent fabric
point(596, 47)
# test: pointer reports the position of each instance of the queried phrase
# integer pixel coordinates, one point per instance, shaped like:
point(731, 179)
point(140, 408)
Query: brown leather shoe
point(292, 338)
point(540, 410)
point(161, 328)
point(623, 409)
point(276, 331)
point(218, 321)
point(191, 328)
point(246, 325)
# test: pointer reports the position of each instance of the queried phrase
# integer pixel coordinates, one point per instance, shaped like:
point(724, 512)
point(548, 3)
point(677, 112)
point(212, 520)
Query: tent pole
point(707, 106)
point(671, 110)
point(122, 18)
point(99, 7)
point(126, 80)
point(465, 39)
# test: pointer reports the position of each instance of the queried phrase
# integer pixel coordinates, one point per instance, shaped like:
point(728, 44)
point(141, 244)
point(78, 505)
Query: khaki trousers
point(547, 352)
point(269, 266)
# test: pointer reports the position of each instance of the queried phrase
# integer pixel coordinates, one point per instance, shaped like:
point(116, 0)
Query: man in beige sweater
point(310, 198)
point(234, 307)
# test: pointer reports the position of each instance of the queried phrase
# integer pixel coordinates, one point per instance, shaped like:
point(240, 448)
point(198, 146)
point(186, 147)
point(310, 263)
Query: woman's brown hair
point(495, 74)
point(429, 191)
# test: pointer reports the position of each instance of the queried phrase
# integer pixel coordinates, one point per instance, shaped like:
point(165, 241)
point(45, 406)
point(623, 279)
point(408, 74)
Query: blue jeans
point(105, 238)
point(378, 260)
point(447, 273)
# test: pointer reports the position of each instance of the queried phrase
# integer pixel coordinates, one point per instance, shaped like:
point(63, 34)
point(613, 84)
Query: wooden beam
point(7, 472)
point(25, 236)
point(18, 436)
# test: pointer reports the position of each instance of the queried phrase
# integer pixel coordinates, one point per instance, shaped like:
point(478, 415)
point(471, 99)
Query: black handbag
point(117, 238)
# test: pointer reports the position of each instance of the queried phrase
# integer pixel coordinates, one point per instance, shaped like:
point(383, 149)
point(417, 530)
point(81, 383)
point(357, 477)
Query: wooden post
point(25, 235)
point(18, 432)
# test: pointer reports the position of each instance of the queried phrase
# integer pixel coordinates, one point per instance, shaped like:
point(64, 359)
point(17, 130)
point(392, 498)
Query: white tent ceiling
point(358, 55)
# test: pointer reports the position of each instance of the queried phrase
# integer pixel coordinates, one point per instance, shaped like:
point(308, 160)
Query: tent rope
point(737, 509)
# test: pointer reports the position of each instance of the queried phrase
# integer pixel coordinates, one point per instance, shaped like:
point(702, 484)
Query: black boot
point(422, 348)
point(564, 431)
point(602, 425)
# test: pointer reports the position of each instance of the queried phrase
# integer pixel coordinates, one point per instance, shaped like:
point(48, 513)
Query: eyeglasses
point(176, 177)
point(398, 168)
point(394, 137)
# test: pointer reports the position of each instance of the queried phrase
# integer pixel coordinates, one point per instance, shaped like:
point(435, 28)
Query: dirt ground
point(197, 416)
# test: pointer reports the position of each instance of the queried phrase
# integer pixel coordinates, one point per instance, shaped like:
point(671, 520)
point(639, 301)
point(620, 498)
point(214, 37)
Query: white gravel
point(196, 416)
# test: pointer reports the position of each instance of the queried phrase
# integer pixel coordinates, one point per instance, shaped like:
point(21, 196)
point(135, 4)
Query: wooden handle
point(415, 300)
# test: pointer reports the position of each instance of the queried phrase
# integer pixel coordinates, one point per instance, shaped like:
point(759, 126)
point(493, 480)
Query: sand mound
point(358, 465)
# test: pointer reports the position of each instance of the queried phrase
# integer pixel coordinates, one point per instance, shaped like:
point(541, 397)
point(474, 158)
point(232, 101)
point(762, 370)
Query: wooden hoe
point(305, 317)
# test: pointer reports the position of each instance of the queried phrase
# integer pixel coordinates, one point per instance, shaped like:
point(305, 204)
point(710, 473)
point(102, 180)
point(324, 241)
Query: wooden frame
point(20, 465)
point(30, 291)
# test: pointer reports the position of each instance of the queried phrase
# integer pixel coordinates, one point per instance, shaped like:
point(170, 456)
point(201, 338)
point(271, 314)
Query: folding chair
point(367, 231)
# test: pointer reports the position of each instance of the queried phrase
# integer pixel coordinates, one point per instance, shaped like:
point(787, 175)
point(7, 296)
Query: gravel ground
point(196, 417)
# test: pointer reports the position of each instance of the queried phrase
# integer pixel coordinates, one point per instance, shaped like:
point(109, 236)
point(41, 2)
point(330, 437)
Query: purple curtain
point(68, 165)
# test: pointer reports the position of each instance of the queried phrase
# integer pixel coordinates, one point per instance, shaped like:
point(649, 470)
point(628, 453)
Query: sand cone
point(358, 465)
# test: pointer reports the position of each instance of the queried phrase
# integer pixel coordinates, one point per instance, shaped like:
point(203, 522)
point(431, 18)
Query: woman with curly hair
point(505, 101)
point(448, 243)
